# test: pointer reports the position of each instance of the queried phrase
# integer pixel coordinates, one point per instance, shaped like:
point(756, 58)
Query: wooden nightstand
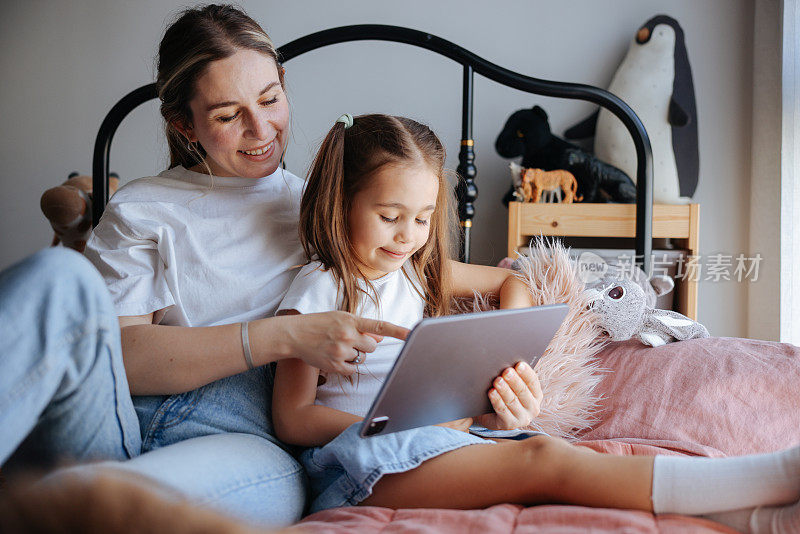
point(681, 222)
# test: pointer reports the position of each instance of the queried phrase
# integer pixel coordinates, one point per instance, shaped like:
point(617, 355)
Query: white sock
point(780, 520)
point(766, 520)
point(738, 520)
point(695, 486)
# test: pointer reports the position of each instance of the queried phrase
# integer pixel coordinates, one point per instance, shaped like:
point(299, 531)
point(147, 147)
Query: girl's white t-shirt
point(400, 302)
point(211, 250)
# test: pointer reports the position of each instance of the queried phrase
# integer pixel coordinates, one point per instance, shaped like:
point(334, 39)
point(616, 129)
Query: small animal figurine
point(536, 181)
point(624, 314)
point(527, 133)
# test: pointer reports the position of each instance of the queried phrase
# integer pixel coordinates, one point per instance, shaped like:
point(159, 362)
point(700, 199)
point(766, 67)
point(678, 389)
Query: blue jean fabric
point(64, 395)
point(344, 471)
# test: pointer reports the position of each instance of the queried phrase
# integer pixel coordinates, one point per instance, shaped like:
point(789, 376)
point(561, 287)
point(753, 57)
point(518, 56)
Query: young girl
point(374, 219)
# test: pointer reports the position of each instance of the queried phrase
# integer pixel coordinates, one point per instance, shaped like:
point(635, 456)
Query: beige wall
point(764, 294)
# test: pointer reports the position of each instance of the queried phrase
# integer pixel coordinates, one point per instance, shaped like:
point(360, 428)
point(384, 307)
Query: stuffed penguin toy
point(655, 80)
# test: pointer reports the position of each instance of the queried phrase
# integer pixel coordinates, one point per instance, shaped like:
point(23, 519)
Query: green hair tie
point(346, 119)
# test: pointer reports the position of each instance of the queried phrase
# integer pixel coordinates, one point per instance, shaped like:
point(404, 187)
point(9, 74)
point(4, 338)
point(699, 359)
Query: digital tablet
point(447, 365)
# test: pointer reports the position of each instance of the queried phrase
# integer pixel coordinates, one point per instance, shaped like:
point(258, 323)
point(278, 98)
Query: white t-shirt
point(212, 250)
point(401, 303)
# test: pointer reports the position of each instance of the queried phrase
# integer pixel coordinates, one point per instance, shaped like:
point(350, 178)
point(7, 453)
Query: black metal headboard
point(466, 190)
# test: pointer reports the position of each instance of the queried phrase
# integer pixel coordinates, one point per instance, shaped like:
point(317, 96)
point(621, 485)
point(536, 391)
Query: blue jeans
point(64, 395)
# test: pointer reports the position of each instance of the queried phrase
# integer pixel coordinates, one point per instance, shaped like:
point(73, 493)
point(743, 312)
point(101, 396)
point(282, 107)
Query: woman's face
point(240, 116)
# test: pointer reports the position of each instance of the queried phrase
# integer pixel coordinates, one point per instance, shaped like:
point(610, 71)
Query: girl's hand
point(329, 340)
point(459, 424)
point(516, 398)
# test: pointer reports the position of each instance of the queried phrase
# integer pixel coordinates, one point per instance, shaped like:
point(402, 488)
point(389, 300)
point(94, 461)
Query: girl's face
point(240, 116)
point(389, 220)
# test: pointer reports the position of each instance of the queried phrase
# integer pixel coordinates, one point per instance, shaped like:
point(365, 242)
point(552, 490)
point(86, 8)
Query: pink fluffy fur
point(568, 371)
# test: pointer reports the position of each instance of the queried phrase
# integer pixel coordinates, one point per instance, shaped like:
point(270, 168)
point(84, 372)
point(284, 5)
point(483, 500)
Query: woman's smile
point(262, 153)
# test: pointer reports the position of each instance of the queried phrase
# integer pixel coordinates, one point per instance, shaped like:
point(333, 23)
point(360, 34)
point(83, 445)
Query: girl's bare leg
point(537, 470)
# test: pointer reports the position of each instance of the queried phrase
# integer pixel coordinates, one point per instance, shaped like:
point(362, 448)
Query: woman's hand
point(329, 340)
point(516, 397)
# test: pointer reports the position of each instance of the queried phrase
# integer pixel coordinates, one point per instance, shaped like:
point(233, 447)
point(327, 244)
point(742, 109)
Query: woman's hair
point(200, 36)
point(343, 167)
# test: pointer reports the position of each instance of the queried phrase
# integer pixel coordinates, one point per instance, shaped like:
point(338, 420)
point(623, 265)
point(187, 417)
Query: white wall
point(66, 63)
point(790, 172)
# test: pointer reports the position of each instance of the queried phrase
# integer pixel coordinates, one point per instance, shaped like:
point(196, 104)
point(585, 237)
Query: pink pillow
point(713, 396)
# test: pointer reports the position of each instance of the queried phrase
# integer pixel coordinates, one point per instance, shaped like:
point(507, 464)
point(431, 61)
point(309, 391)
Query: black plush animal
point(527, 133)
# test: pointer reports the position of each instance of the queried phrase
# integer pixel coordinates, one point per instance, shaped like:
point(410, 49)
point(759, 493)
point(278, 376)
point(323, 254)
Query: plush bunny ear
point(652, 339)
point(662, 284)
point(676, 325)
point(673, 322)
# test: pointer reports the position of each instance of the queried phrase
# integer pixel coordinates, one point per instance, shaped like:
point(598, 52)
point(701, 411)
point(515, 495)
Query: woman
point(197, 260)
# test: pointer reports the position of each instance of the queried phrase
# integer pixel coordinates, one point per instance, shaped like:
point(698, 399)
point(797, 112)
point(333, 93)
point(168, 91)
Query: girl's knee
point(548, 457)
point(543, 446)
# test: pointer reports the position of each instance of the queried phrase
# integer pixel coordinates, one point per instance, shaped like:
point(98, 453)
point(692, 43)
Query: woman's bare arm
point(162, 360)
point(512, 292)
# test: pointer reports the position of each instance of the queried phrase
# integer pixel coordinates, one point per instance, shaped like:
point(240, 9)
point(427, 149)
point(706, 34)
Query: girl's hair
point(200, 36)
point(342, 168)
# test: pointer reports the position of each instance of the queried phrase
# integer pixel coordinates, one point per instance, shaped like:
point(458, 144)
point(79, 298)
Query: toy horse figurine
point(527, 133)
point(536, 181)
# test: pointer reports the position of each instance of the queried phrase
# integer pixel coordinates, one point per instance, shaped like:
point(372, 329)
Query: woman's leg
point(62, 382)
point(215, 446)
point(246, 477)
point(539, 469)
point(115, 503)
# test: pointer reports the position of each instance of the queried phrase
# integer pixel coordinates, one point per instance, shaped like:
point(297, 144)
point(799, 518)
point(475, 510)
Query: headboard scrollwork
point(466, 190)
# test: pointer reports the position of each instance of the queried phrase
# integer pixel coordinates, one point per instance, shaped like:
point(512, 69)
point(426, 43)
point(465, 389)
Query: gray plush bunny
point(624, 314)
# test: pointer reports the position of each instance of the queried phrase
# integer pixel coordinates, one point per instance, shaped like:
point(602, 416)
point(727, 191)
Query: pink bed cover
point(707, 397)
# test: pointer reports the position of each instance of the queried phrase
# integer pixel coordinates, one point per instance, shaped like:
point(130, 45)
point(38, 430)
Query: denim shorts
point(344, 471)
point(240, 403)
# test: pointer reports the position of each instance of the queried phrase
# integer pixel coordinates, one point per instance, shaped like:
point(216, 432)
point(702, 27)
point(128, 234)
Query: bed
point(709, 397)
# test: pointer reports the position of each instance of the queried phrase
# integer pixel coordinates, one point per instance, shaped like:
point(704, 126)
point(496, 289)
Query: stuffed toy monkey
point(68, 207)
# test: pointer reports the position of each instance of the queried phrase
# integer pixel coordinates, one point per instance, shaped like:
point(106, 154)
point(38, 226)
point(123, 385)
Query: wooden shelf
point(527, 220)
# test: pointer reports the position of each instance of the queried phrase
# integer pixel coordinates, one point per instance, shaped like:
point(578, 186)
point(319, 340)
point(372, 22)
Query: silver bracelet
point(248, 357)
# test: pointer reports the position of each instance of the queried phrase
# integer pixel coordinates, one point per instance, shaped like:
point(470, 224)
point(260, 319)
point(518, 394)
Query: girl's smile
point(395, 254)
point(389, 220)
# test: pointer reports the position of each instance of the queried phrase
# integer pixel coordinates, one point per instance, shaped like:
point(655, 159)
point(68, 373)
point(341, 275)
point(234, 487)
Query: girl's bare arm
point(296, 418)
point(513, 293)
